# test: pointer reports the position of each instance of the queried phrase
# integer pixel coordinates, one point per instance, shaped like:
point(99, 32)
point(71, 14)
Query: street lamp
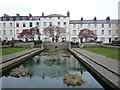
point(69, 40)
point(14, 26)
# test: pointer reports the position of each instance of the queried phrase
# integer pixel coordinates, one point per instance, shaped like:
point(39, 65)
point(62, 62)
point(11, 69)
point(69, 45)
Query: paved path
point(105, 66)
point(12, 59)
point(110, 64)
point(9, 57)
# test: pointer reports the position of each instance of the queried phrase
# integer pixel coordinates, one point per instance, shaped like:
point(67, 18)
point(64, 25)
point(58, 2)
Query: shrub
point(92, 41)
point(17, 41)
point(73, 43)
point(37, 42)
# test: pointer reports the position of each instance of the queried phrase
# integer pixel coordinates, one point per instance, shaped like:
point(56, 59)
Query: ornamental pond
point(49, 74)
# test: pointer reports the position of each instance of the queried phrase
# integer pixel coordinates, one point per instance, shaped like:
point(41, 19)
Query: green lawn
point(6, 51)
point(108, 52)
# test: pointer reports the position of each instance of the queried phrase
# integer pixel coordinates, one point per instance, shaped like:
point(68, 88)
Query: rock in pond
point(72, 80)
point(53, 58)
point(44, 53)
point(20, 72)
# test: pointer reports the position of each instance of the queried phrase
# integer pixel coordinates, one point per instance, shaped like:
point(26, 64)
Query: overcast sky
point(86, 8)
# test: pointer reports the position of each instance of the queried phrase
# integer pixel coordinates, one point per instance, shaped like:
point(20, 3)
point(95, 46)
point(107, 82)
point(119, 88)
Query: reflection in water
point(50, 73)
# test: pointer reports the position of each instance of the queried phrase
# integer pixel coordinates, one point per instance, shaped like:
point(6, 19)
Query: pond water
point(49, 74)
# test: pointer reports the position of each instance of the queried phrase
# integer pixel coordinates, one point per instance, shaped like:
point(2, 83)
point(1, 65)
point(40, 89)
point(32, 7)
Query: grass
point(6, 51)
point(108, 52)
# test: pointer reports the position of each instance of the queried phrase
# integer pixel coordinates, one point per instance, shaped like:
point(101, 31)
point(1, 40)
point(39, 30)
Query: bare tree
point(54, 31)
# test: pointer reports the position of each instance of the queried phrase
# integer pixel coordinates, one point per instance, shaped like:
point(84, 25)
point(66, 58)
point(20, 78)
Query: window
point(74, 32)
point(17, 31)
point(24, 25)
point(64, 31)
point(81, 25)
point(109, 32)
point(4, 24)
point(4, 32)
point(109, 25)
point(6, 38)
point(102, 25)
point(17, 18)
point(37, 24)
point(117, 25)
point(64, 23)
point(102, 32)
point(50, 23)
point(88, 25)
point(102, 39)
point(17, 24)
point(95, 31)
point(74, 25)
point(30, 24)
point(95, 25)
point(10, 24)
point(58, 23)
point(110, 40)
point(12, 38)
point(74, 40)
point(116, 38)
point(58, 17)
point(10, 32)
point(45, 23)
point(116, 32)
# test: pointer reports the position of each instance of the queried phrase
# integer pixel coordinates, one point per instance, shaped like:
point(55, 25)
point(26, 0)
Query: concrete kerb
point(117, 73)
point(93, 70)
point(18, 60)
point(17, 56)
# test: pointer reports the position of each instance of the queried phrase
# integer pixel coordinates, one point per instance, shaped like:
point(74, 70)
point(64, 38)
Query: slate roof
point(55, 15)
point(10, 18)
point(94, 21)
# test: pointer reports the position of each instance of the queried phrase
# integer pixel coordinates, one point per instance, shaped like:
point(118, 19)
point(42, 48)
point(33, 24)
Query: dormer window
point(17, 18)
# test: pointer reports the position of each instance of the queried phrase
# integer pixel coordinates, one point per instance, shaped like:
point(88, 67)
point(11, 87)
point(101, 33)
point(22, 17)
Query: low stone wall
point(60, 45)
point(108, 46)
point(29, 44)
point(90, 45)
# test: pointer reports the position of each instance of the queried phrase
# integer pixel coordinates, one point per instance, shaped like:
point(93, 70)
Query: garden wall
point(28, 44)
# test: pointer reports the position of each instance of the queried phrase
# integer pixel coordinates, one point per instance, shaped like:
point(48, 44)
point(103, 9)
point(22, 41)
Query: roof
point(10, 18)
point(93, 21)
point(55, 15)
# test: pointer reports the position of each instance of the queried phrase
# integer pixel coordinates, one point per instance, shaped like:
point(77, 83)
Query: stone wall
point(60, 45)
point(28, 44)
point(90, 45)
point(108, 46)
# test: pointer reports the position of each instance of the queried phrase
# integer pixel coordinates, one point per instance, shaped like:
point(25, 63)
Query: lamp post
point(14, 27)
point(69, 40)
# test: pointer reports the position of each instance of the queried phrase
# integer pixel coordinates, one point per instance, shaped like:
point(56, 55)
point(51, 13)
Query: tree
point(29, 33)
point(54, 31)
point(86, 33)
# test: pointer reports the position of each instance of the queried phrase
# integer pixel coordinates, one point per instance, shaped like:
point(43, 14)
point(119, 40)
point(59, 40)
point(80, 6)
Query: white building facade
point(11, 26)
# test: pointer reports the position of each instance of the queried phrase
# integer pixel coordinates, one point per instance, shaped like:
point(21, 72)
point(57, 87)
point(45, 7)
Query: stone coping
point(9, 57)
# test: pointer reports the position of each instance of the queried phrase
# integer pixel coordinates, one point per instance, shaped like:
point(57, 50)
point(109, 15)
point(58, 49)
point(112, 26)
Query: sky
point(88, 9)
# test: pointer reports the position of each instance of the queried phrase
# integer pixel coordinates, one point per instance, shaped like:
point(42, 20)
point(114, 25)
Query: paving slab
point(101, 65)
point(109, 63)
